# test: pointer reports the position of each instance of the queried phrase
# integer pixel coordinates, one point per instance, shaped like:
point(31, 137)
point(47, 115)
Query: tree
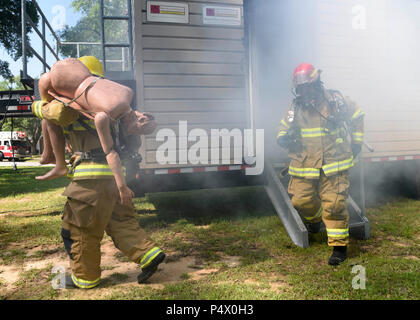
point(11, 30)
point(88, 29)
point(32, 126)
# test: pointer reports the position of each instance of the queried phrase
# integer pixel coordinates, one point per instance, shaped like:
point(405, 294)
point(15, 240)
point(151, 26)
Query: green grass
point(21, 193)
point(211, 225)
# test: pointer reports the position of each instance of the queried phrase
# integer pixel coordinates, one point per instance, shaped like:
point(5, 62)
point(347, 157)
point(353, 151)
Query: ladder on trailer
point(129, 45)
point(27, 81)
point(359, 226)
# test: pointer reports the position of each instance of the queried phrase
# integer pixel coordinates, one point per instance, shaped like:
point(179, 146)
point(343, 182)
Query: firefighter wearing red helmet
point(323, 131)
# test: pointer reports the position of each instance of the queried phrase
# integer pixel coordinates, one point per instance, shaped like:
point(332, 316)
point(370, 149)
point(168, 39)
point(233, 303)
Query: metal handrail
point(45, 45)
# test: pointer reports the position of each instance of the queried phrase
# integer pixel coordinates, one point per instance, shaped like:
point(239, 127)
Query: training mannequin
point(72, 83)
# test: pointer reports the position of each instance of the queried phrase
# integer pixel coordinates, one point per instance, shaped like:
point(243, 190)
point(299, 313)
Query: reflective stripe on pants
point(326, 198)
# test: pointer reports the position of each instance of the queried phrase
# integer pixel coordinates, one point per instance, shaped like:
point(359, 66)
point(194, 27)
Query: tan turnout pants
point(93, 206)
point(324, 198)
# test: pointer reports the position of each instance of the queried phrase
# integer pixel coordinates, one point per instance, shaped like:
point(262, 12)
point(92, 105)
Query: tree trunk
point(33, 148)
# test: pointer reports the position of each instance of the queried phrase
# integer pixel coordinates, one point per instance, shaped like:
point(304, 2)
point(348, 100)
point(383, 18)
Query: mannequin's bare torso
point(71, 78)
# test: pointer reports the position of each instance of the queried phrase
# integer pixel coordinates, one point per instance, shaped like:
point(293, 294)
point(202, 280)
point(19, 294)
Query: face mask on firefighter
point(308, 94)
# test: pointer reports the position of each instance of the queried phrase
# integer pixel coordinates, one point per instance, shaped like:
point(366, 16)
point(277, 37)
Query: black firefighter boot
point(338, 256)
point(314, 227)
point(148, 271)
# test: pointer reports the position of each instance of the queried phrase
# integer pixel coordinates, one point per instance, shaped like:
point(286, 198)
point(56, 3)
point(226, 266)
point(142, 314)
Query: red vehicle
point(14, 145)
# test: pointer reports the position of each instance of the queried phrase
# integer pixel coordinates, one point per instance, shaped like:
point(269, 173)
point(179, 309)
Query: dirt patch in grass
point(188, 268)
point(174, 271)
point(205, 227)
point(202, 273)
point(398, 242)
point(231, 261)
point(115, 270)
point(39, 257)
point(279, 286)
point(55, 260)
point(412, 258)
point(111, 264)
point(9, 275)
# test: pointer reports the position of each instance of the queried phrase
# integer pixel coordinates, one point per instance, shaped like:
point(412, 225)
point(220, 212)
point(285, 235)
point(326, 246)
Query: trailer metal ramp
point(359, 226)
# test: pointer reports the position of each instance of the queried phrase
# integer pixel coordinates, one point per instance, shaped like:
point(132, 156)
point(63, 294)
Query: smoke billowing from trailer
point(367, 49)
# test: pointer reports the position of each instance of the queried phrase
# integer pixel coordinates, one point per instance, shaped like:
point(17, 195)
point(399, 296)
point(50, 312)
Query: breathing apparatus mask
point(309, 94)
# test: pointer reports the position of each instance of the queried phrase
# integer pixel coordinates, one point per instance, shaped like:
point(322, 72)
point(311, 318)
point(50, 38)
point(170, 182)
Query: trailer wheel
point(1, 156)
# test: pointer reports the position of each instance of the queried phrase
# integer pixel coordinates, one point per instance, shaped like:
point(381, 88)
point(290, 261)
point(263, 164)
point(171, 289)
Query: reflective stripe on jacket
point(324, 145)
point(37, 108)
point(82, 140)
point(92, 171)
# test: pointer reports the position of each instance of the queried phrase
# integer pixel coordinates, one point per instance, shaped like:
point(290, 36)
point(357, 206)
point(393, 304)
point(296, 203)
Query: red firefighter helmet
point(305, 73)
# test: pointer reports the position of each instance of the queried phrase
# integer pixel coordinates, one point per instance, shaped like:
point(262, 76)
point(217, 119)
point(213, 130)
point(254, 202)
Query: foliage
point(88, 29)
point(32, 127)
point(11, 30)
point(220, 244)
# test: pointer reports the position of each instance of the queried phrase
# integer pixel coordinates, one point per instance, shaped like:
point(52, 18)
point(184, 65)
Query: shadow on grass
point(30, 213)
point(210, 224)
point(34, 231)
point(201, 207)
point(23, 181)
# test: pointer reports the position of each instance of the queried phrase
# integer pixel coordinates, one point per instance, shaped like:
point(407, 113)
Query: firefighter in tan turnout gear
point(323, 132)
point(94, 205)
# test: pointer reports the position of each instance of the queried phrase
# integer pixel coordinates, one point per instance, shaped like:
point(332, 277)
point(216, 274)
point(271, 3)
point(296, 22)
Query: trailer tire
point(1, 156)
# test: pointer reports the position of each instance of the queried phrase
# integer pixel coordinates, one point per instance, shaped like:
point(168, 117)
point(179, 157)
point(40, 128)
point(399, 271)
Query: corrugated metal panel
point(195, 105)
point(225, 158)
point(197, 32)
point(191, 68)
point(194, 81)
point(210, 2)
point(353, 61)
point(192, 56)
point(193, 93)
point(388, 154)
point(393, 125)
point(167, 43)
point(206, 126)
point(191, 72)
point(153, 144)
point(393, 136)
point(203, 117)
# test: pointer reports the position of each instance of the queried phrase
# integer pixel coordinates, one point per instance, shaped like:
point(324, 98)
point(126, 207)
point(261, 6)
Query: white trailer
point(365, 48)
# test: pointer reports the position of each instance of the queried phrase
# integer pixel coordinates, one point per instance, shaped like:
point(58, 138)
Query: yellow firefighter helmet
point(93, 64)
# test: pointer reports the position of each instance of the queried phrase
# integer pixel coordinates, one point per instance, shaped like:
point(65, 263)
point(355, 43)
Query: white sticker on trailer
point(227, 16)
point(172, 12)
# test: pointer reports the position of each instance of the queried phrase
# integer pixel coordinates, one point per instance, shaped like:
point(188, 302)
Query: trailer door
point(190, 70)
